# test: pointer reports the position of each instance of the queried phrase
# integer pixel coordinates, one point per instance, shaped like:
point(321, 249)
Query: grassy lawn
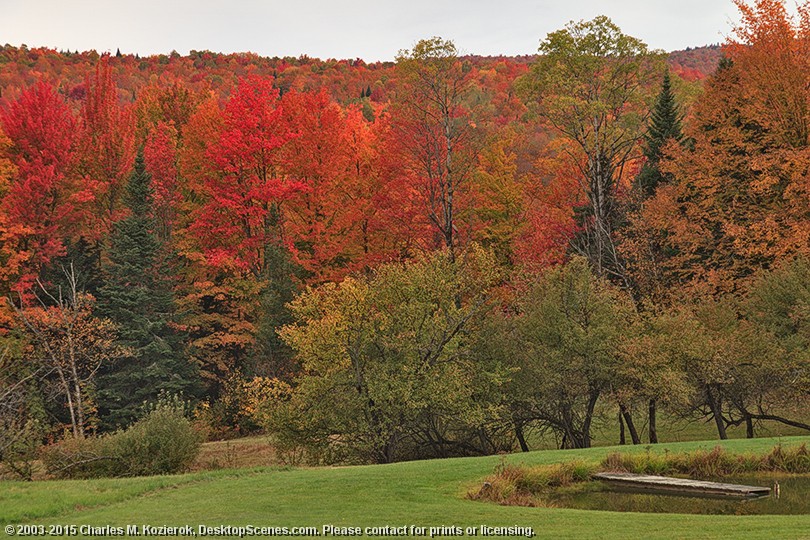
point(427, 493)
point(673, 429)
point(259, 451)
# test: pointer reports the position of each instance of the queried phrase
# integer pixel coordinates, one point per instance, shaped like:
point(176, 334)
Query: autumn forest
point(445, 255)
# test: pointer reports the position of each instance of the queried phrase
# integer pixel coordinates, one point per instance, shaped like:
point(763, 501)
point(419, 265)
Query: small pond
point(794, 498)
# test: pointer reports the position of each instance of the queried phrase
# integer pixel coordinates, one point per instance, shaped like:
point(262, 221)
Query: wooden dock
point(680, 486)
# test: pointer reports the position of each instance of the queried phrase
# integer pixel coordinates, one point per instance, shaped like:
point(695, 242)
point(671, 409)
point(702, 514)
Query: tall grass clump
point(715, 463)
point(517, 486)
point(647, 463)
point(789, 460)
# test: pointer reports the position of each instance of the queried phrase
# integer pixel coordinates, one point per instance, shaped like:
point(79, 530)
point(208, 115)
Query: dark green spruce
point(137, 296)
point(664, 125)
point(270, 356)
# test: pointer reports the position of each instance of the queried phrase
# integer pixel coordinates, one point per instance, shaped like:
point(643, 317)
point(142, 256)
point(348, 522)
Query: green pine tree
point(270, 356)
point(138, 297)
point(664, 125)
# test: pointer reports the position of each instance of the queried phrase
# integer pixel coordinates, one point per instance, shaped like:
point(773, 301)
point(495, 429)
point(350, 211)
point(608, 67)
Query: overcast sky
point(372, 30)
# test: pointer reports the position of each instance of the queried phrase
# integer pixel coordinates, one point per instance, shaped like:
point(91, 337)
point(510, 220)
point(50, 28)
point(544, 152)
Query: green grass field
point(673, 429)
point(426, 493)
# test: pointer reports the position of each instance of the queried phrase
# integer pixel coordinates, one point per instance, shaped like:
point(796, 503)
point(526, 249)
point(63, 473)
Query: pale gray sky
point(372, 30)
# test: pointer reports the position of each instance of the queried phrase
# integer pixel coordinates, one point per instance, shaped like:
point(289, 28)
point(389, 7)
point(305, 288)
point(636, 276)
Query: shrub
point(19, 446)
point(162, 442)
point(73, 457)
point(243, 407)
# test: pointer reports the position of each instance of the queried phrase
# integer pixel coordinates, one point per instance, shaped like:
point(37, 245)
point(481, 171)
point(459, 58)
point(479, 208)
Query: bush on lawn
point(162, 442)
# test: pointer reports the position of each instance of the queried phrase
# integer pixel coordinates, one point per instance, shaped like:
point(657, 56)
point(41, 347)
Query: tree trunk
point(79, 408)
point(586, 425)
point(715, 404)
point(569, 439)
point(622, 439)
point(721, 427)
point(521, 437)
point(69, 395)
point(631, 427)
point(449, 217)
point(653, 428)
point(74, 372)
point(749, 426)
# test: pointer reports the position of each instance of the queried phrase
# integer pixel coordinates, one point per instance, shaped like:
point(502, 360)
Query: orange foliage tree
point(323, 218)
point(738, 199)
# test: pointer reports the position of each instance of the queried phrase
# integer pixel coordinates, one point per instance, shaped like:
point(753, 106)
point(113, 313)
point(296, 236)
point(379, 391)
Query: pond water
point(794, 498)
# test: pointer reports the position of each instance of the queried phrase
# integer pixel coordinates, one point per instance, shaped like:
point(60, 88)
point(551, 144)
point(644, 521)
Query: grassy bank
point(426, 493)
point(537, 485)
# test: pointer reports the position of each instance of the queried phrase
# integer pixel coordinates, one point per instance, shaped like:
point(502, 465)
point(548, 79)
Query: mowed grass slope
point(426, 493)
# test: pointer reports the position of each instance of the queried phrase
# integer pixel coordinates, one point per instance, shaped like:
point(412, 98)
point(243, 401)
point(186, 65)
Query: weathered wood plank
point(684, 486)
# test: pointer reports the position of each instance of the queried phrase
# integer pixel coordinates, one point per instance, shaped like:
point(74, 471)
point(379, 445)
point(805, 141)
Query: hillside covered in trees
point(437, 256)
